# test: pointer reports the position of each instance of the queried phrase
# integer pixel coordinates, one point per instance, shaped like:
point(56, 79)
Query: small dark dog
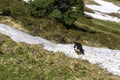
point(78, 48)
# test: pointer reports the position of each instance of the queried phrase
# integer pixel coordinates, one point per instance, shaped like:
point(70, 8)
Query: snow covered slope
point(104, 6)
point(101, 10)
point(108, 59)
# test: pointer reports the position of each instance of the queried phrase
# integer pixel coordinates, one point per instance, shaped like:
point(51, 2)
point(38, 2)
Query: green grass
point(20, 61)
point(111, 25)
point(101, 33)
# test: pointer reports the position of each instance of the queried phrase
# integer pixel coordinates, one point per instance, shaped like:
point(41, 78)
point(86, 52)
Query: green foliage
point(14, 8)
point(40, 8)
point(55, 14)
point(64, 11)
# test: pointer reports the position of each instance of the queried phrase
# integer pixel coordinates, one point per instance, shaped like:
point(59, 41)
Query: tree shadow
point(76, 28)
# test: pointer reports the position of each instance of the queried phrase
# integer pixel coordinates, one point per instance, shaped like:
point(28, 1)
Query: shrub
point(64, 11)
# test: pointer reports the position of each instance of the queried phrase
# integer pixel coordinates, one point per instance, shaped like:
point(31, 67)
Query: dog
point(78, 48)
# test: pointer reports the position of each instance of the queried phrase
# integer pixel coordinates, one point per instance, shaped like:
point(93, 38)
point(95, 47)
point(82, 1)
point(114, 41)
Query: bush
point(64, 11)
point(40, 8)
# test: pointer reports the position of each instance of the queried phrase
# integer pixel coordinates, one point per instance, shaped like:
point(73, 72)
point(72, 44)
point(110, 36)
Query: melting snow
point(103, 16)
point(108, 59)
point(26, 0)
point(102, 8)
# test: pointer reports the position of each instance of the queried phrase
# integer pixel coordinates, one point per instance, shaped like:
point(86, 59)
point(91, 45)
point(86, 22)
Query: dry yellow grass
point(90, 2)
point(11, 22)
point(116, 2)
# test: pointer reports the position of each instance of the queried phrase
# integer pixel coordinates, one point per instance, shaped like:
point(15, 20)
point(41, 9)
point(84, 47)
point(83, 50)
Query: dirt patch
point(114, 14)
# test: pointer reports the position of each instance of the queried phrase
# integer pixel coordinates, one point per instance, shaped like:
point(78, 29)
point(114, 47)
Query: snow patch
point(26, 0)
point(108, 59)
point(103, 16)
point(103, 8)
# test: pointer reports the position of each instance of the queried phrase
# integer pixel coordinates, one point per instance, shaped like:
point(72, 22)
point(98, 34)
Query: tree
point(64, 11)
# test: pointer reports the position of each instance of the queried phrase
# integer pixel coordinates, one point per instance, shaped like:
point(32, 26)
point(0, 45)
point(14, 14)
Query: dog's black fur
point(78, 48)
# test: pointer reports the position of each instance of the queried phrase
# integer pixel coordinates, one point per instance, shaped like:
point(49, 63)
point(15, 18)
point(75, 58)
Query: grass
point(114, 14)
point(90, 2)
point(102, 33)
point(89, 32)
point(20, 61)
point(12, 22)
point(116, 2)
point(111, 25)
point(88, 10)
point(95, 32)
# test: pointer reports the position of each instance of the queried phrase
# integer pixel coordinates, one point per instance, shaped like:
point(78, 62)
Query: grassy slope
point(23, 61)
point(89, 32)
point(20, 61)
point(102, 33)
point(107, 33)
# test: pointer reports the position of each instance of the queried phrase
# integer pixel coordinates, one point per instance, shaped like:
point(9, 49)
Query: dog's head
point(76, 42)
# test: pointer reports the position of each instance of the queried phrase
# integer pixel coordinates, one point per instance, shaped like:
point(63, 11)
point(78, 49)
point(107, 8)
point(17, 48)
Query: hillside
point(31, 61)
point(24, 61)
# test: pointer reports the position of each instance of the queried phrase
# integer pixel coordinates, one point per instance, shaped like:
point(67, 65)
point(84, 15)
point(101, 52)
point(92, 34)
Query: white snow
point(103, 16)
point(26, 0)
point(103, 8)
point(108, 59)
